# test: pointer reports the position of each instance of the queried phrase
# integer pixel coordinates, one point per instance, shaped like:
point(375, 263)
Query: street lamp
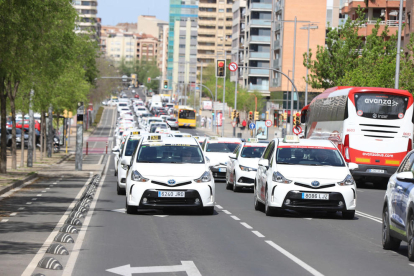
point(307, 27)
point(397, 67)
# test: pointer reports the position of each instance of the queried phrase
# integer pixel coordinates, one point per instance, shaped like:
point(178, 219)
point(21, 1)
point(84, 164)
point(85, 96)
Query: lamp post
point(307, 27)
point(397, 67)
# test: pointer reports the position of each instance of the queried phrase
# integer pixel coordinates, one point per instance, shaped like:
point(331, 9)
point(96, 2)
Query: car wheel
point(410, 238)
point(258, 206)
point(116, 173)
point(119, 190)
point(348, 214)
point(268, 209)
point(235, 188)
point(388, 242)
point(208, 211)
point(130, 209)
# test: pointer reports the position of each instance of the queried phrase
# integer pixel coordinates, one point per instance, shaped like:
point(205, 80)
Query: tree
point(144, 69)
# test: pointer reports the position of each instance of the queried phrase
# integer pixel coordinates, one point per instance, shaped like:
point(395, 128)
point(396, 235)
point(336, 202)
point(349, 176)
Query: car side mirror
point(115, 150)
point(264, 163)
point(405, 176)
point(207, 159)
point(124, 164)
point(352, 166)
point(232, 156)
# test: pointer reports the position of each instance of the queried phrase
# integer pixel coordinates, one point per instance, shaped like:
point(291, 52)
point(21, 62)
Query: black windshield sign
point(380, 106)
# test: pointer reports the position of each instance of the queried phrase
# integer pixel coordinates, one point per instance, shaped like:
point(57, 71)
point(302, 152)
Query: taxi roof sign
point(291, 139)
point(154, 138)
point(213, 137)
point(252, 140)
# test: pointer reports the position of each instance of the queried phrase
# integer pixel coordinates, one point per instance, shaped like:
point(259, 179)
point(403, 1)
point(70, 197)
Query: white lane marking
point(304, 265)
point(186, 266)
point(246, 225)
point(369, 216)
point(39, 255)
point(227, 212)
point(21, 208)
point(34, 198)
point(308, 218)
point(218, 206)
point(100, 160)
point(28, 203)
point(412, 264)
point(13, 214)
point(4, 220)
point(70, 265)
point(12, 191)
point(47, 189)
point(39, 195)
point(257, 233)
point(55, 182)
point(161, 216)
point(234, 217)
point(122, 210)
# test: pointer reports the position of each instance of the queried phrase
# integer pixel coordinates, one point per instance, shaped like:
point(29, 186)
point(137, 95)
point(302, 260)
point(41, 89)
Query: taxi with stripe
point(304, 174)
point(169, 172)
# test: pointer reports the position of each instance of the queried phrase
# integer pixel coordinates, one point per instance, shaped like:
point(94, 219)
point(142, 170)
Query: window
point(221, 10)
point(170, 154)
point(221, 147)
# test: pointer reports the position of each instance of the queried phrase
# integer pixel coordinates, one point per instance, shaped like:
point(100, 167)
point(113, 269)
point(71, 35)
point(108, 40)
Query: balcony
point(259, 38)
point(259, 55)
point(276, 63)
point(278, 6)
point(276, 82)
point(260, 23)
point(366, 29)
point(259, 87)
point(277, 26)
point(276, 44)
point(260, 6)
point(206, 31)
point(260, 72)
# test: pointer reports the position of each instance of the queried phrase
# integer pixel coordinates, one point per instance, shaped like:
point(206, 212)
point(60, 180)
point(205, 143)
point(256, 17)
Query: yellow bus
point(186, 116)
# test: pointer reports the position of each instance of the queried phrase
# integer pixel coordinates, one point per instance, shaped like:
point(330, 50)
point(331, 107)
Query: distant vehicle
point(136, 96)
point(207, 105)
point(186, 116)
point(172, 122)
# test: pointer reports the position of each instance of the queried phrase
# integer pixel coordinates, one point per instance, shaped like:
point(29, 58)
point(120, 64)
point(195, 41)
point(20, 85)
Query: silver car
point(173, 123)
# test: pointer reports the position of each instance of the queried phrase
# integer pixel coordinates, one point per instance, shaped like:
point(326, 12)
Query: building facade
point(409, 27)
point(215, 19)
point(148, 24)
point(238, 38)
point(89, 23)
point(163, 49)
point(179, 10)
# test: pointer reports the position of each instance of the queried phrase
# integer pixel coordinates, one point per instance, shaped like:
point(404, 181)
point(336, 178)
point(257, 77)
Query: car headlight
point(278, 177)
point(247, 169)
point(205, 177)
point(136, 176)
point(349, 180)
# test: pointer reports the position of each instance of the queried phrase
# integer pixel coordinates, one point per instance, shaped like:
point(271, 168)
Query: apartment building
point(106, 32)
point(148, 24)
point(215, 19)
point(89, 22)
point(409, 27)
point(184, 73)
point(238, 38)
point(284, 12)
point(163, 49)
point(385, 10)
point(146, 48)
point(179, 10)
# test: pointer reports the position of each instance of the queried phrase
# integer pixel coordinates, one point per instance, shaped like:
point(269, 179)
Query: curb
point(18, 183)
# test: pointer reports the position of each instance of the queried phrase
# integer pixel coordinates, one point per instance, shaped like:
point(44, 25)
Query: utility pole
point(397, 67)
point(201, 82)
point(307, 27)
point(293, 78)
point(79, 137)
point(224, 94)
point(50, 133)
point(31, 132)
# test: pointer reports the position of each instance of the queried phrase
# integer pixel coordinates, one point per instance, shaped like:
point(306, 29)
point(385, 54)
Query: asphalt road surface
point(236, 240)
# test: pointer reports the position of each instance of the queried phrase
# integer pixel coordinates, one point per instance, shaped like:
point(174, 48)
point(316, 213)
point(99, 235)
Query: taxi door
point(263, 171)
point(232, 163)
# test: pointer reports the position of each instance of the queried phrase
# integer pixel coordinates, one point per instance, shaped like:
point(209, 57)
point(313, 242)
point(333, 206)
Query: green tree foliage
point(144, 69)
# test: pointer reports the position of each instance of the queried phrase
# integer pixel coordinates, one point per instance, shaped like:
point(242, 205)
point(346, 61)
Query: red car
point(136, 96)
point(26, 124)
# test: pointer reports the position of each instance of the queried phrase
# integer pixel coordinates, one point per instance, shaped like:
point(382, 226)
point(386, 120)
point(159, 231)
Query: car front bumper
point(219, 172)
point(289, 196)
point(362, 171)
point(245, 179)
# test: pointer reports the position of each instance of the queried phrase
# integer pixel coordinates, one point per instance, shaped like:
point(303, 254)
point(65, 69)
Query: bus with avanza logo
point(185, 115)
point(371, 126)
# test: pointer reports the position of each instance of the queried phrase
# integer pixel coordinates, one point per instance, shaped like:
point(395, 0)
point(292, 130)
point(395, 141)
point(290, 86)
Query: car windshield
point(309, 156)
point(123, 104)
point(252, 152)
point(171, 120)
point(154, 120)
point(155, 126)
point(130, 147)
point(222, 147)
point(170, 154)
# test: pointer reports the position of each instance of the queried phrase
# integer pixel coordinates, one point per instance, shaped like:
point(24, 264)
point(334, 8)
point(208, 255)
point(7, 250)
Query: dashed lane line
point(13, 214)
point(39, 195)
point(227, 212)
point(218, 206)
point(234, 217)
point(34, 199)
point(246, 225)
point(28, 203)
point(21, 208)
point(4, 220)
point(12, 191)
point(379, 220)
point(257, 233)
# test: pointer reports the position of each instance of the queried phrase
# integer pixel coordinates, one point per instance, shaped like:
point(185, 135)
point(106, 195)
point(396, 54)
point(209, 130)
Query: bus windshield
point(380, 106)
point(187, 114)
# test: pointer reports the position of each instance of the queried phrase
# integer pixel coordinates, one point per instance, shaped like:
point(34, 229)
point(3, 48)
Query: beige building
point(89, 22)
point(148, 24)
point(163, 29)
point(215, 18)
point(146, 47)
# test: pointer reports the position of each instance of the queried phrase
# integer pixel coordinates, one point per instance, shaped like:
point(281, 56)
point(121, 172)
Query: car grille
point(316, 188)
point(313, 203)
point(172, 201)
point(167, 185)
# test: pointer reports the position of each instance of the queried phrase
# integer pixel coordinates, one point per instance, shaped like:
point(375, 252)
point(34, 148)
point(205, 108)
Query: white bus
point(372, 127)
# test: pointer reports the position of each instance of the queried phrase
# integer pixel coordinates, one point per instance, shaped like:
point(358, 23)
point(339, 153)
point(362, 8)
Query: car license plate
point(315, 196)
point(376, 171)
point(171, 194)
point(222, 169)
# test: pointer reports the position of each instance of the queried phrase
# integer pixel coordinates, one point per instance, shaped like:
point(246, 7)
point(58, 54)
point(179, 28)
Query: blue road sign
point(252, 126)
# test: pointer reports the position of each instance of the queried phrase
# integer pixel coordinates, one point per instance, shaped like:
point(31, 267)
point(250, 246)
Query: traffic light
point(233, 114)
point(294, 120)
point(250, 115)
point(134, 80)
point(148, 80)
point(220, 68)
point(165, 84)
point(297, 119)
point(256, 115)
point(237, 115)
point(284, 116)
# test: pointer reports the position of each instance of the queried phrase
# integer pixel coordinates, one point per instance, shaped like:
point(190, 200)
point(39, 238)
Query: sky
point(113, 12)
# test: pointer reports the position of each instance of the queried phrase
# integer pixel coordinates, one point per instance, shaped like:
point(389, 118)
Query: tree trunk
point(13, 148)
point(50, 133)
point(3, 113)
point(22, 145)
point(42, 134)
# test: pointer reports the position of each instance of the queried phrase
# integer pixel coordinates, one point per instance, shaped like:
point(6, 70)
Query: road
point(236, 240)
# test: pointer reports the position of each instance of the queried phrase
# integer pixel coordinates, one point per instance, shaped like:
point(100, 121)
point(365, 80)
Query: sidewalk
point(228, 129)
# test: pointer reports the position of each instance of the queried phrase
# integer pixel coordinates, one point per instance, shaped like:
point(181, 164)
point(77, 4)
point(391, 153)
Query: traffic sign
point(233, 66)
point(252, 126)
point(233, 124)
point(268, 123)
point(297, 130)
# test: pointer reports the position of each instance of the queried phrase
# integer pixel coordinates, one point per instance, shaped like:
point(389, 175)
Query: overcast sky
point(113, 12)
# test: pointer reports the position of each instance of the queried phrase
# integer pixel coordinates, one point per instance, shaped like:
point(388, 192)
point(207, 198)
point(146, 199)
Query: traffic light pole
point(224, 94)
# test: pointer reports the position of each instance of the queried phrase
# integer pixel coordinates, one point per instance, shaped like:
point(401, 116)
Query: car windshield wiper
point(285, 163)
point(145, 161)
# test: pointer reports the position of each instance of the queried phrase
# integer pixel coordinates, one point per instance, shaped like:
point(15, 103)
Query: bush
point(98, 115)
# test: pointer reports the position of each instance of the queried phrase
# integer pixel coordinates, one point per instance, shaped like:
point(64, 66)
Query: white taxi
point(169, 172)
point(242, 165)
point(217, 150)
point(126, 151)
point(180, 134)
point(304, 174)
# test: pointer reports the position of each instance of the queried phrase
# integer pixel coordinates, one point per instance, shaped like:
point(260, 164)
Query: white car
point(242, 165)
point(127, 149)
point(217, 149)
point(173, 123)
point(169, 172)
point(180, 134)
point(122, 105)
point(140, 110)
point(155, 125)
point(150, 120)
point(304, 174)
